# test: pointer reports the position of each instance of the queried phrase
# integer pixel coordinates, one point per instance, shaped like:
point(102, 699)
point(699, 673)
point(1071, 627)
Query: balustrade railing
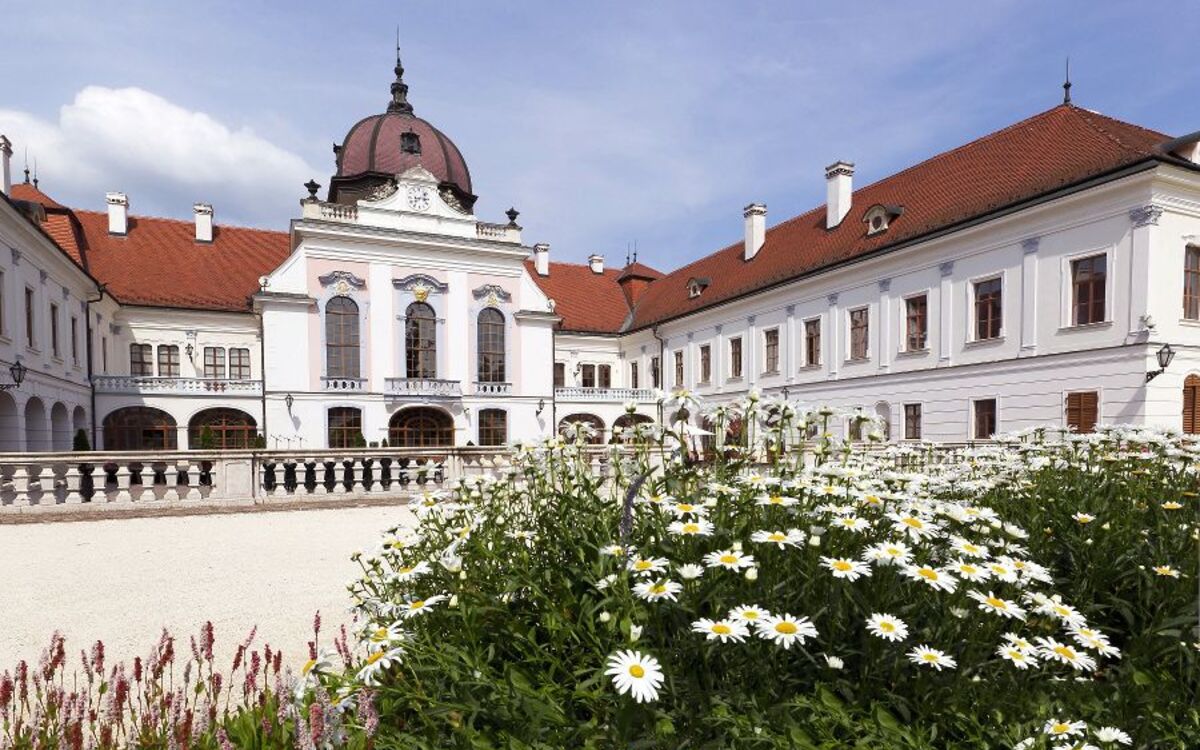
point(140, 384)
point(501, 232)
point(424, 387)
point(580, 393)
point(343, 384)
point(493, 389)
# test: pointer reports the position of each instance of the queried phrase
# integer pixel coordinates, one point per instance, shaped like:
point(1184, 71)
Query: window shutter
point(1083, 410)
point(1191, 405)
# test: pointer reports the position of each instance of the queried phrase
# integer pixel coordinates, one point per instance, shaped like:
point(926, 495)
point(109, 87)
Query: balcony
point(343, 384)
point(579, 393)
point(423, 388)
point(493, 389)
point(137, 384)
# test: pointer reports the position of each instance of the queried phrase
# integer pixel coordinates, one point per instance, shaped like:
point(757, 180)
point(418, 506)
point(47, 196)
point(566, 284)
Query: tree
point(81, 443)
point(207, 440)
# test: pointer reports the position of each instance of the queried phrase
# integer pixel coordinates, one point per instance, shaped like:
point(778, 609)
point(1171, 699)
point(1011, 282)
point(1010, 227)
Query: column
point(750, 353)
point(884, 336)
point(833, 349)
point(791, 346)
point(1142, 219)
point(946, 313)
point(1029, 264)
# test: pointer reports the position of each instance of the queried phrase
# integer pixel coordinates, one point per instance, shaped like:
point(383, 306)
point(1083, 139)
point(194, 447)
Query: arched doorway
point(229, 428)
point(420, 427)
point(883, 414)
point(140, 428)
point(567, 427)
point(60, 428)
point(623, 425)
point(10, 433)
point(1191, 404)
point(37, 427)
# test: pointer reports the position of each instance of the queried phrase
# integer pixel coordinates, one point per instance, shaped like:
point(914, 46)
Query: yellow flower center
point(721, 629)
point(1060, 728)
point(929, 657)
point(970, 548)
point(380, 634)
point(913, 522)
point(887, 627)
point(776, 537)
point(968, 569)
point(308, 666)
point(842, 565)
point(997, 603)
point(685, 507)
point(728, 559)
point(872, 499)
point(657, 588)
point(775, 499)
point(786, 628)
point(417, 604)
point(750, 614)
point(636, 670)
point(405, 570)
point(691, 528)
point(643, 565)
point(1066, 652)
point(928, 573)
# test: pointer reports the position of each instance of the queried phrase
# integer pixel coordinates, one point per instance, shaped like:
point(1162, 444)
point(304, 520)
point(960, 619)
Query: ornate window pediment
point(420, 285)
point(342, 282)
point(492, 294)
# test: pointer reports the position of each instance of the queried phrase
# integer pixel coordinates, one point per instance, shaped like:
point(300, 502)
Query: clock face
point(418, 198)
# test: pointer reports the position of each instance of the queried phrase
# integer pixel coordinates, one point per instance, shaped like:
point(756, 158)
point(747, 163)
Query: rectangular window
point(214, 363)
point(493, 427)
point(771, 350)
point(74, 339)
point(916, 323)
point(854, 431)
point(859, 332)
point(239, 364)
point(1082, 411)
point(735, 357)
point(1191, 282)
point(141, 359)
point(633, 375)
point(985, 418)
point(54, 330)
point(560, 374)
point(587, 376)
point(168, 361)
point(29, 340)
point(604, 374)
point(1089, 278)
point(345, 427)
point(679, 369)
point(655, 372)
point(912, 421)
point(705, 363)
point(988, 309)
point(812, 342)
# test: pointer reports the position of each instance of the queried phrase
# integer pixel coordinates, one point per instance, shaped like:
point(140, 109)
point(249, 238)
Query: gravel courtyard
point(123, 580)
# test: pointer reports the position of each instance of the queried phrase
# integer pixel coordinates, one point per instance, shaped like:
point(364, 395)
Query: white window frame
point(1067, 287)
point(972, 313)
point(902, 316)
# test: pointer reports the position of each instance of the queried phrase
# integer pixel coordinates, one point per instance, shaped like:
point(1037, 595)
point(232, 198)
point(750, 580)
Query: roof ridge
point(1089, 118)
point(172, 220)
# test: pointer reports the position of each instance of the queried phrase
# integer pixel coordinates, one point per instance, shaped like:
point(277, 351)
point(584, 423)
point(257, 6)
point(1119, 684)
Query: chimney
point(118, 213)
point(5, 166)
point(596, 263)
point(541, 259)
point(838, 191)
point(756, 229)
point(204, 221)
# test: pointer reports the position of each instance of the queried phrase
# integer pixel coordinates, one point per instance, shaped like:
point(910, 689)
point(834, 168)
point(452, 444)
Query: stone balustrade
point(343, 384)
point(146, 384)
point(579, 393)
point(424, 387)
point(139, 482)
point(493, 389)
point(498, 232)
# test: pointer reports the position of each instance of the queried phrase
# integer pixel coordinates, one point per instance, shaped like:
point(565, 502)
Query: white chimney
point(839, 188)
point(204, 221)
point(596, 263)
point(5, 166)
point(756, 229)
point(541, 258)
point(118, 213)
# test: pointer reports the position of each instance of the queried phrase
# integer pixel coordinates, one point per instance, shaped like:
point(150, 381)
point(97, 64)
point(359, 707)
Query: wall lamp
point(18, 375)
point(189, 349)
point(1164, 356)
point(289, 400)
point(540, 406)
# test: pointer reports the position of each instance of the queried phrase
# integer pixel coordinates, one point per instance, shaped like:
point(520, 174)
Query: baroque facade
point(1047, 273)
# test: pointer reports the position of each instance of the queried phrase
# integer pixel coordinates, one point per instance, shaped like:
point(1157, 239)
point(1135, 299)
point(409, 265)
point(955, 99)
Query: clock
point(419, 198)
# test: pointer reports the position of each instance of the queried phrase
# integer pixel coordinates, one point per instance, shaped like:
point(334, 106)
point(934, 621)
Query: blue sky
point(604, 123)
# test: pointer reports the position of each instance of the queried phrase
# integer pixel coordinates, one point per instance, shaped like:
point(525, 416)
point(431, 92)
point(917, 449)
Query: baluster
point(147, 494)
point(376, 477)
point(319, 473)
point(339, 476)
point(357, 469)
point(74, 481)
point(171, 491)
point(123, 495)
point(20, 482)
point(45, 483)
point(281, 468)
point(193, 481)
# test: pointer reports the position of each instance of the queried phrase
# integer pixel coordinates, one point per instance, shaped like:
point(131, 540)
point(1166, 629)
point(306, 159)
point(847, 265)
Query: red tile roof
point(24, 191)
point(1052, 150)
point(586, 301)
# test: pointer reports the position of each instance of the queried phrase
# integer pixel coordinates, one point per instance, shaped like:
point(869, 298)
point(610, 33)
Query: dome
point(379, 147)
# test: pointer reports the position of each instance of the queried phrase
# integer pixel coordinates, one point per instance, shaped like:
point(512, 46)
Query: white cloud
point(164, 156)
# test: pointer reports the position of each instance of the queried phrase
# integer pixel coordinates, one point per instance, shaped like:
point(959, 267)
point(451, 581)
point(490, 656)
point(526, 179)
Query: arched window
point(420, 428)
point(341, 338)
point(567, 428)
point(139, 428)
point(1191, 404)
point(491, 346)
point(229, 428)
point(623, 426)
point(493, 427)
point(420, 341)
point(345, 428)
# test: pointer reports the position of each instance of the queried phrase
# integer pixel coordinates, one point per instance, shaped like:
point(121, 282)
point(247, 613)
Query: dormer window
point(696, 286)
point(879, 216)
point(410, 143)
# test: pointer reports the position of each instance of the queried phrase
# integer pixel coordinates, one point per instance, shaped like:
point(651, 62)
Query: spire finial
point(1067, 84)
point(26, 165)
point(399, 101)
point(35, 173)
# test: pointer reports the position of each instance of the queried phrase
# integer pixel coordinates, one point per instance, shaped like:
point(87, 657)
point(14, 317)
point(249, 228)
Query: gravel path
point(123, 580)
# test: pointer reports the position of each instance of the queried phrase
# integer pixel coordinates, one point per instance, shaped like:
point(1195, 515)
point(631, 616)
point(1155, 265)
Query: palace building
point(1046, 273)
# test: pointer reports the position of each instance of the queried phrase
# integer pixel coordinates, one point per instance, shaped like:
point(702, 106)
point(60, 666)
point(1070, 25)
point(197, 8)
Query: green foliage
point(207, 440)
point(81, 444)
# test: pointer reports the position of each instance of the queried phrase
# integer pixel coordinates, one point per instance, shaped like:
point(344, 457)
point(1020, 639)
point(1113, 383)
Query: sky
point(606, 124)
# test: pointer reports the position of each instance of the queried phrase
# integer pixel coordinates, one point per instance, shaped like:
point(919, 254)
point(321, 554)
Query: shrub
point(81, 444)
point(207, 441)
point(1028, 585)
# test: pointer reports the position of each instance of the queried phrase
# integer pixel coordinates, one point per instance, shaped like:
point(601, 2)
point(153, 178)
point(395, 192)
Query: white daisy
point(913, 526)
point(690, 571)
point(410, 572)
point(1017, 656)
point(887, 627)
point(852, 523)
point(645, 566)
point(749, 613)
point(938, 579)
point(683, 510)
point(968, 571)
point(843, 567)
point(989, 602)
point(931, 657)
point(722, 630)
point(653, 591)
point(1048, 648)
point(791, 538)
point(730, 559)
point(785, 630)
point(1112, 734)
point(889, 553)
point(377, 663)
point(635, 673)
point(1058, 728)
point(782, 501)
point(413, 607)
point(695, 527)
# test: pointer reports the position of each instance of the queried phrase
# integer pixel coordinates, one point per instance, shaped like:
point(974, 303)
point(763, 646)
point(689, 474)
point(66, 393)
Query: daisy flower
point(1002, 571)
point(968, 548)
point(1166, 570)
point(1171, 505)
point(1057, 728)
point(1083, 518)
point(730, 559)
point(782, 501)
point(410, 572)
point(613, 550)
point(887, 627)
point(635, 673)
point(968, 571)
point(989, 602)
point(653, 591)
point(1064, 612)
point(852, 523)
point(931, 657)
point(785, 630)
point(682, 510)
point(322, 663)
point(913, 526)
point(842, 567)
point(940, 580)
point(722, 630)
point(1017, 656)
point(1049, 648)
point(377, 663)
point(792, 538)
point(697, 527)
point(889, 553)
point(749, 613)
point(1112, 734)
point(690, 571)
point(414, 607)
point(380, 636)
point(645, 566)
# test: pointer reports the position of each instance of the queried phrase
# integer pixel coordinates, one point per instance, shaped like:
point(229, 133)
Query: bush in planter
point(81, 444)
point(207, 441)
point(902, 600)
